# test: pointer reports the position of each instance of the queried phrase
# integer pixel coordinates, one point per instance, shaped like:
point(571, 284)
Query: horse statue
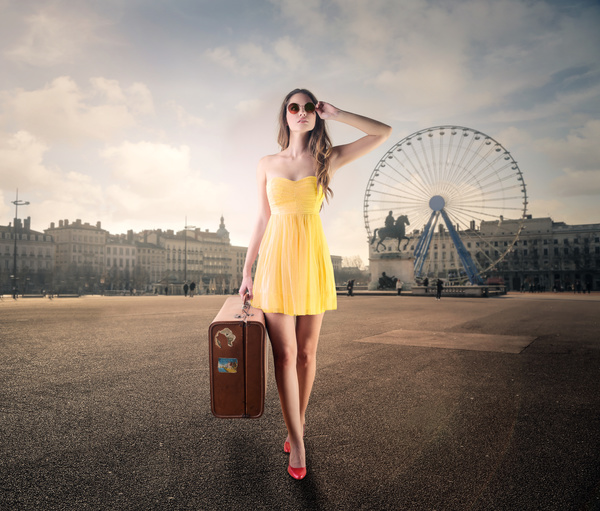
point(394, 230)
point(386, 282)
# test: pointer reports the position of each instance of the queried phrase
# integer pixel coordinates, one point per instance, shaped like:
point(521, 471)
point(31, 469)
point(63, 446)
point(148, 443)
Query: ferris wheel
point(453, 198)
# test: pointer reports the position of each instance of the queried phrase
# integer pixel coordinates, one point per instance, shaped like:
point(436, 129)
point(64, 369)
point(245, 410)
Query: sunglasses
point(294, 108)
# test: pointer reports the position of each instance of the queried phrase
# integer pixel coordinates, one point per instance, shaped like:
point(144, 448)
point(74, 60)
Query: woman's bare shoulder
point(270, 163)
point(265, 166)
point(270, 159)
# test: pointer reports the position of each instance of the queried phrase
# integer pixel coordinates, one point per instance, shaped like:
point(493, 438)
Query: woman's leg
point(308, 329)
point(282, 334)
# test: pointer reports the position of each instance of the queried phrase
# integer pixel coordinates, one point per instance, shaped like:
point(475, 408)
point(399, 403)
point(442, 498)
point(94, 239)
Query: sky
point(145, 114)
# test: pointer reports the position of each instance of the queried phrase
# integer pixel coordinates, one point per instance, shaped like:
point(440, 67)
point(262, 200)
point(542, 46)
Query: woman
point(294, 283)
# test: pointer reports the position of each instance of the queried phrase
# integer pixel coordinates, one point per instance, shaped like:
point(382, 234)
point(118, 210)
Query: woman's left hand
point(325, 110)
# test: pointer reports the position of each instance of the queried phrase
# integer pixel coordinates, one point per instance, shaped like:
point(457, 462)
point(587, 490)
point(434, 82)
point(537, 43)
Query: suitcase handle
point(245, 309)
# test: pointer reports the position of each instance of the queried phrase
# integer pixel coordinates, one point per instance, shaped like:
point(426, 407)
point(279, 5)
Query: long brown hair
point(319, 142)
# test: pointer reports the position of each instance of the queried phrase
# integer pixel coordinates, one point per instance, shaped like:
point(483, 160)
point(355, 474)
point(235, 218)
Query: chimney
point(98, 225)
point(51, 225)
point(28, 223)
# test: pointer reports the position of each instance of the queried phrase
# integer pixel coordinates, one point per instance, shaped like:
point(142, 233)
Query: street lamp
point(185, 228)
point(17, 203)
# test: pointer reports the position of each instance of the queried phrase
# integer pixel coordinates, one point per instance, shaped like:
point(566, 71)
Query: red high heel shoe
point(297, 473)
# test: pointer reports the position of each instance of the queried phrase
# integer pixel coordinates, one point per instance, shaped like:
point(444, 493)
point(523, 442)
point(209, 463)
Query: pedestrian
point(350, 287)
point(399, 285)
point(294, 282)
point(192, 289)
point(185, 289)
point(426, 284)
point(439, 286)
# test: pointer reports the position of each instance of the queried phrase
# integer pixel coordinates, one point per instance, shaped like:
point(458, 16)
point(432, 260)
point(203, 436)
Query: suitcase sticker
point(228, 334)
point(228, 365)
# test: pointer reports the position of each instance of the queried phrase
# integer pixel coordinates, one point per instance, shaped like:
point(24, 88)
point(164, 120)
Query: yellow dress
point(294, 274)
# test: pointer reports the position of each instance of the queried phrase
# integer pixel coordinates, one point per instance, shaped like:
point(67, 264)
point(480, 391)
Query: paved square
point(452, 341)
point(104, 404)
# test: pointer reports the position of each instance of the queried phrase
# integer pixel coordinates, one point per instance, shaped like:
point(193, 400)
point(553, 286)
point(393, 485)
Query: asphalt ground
point(419, 404)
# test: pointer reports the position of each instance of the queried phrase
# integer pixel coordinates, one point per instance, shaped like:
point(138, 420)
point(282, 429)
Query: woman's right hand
point(246, 288)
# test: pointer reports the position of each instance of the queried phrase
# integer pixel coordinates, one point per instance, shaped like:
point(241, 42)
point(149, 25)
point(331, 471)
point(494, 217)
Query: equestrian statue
point(392, 230)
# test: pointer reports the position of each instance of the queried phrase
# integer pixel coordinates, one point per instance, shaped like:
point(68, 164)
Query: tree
point(354, 261)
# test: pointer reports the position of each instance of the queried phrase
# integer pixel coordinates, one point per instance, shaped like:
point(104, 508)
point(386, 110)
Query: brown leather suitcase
point(238, 361)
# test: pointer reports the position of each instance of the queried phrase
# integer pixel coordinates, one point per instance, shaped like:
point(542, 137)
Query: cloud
point(253, 59)
point(291, 54)
point(249, 58)
point(148, 168)
point(137, 96)
point(578, 151)
point(577, 182)
point(155, 183)
point(48, 188)
point(184, 118)
point(63, 112)
point(22, 161)
point(249, 106)
point(54, 36)
point(312, 17)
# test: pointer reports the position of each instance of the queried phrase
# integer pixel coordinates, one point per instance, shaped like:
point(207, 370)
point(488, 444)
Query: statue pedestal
point(395, 264)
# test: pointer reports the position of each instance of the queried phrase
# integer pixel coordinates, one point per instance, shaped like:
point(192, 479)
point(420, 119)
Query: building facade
point(81, 257)
point(121, 269)
point(34, 262)
point(546, 254)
